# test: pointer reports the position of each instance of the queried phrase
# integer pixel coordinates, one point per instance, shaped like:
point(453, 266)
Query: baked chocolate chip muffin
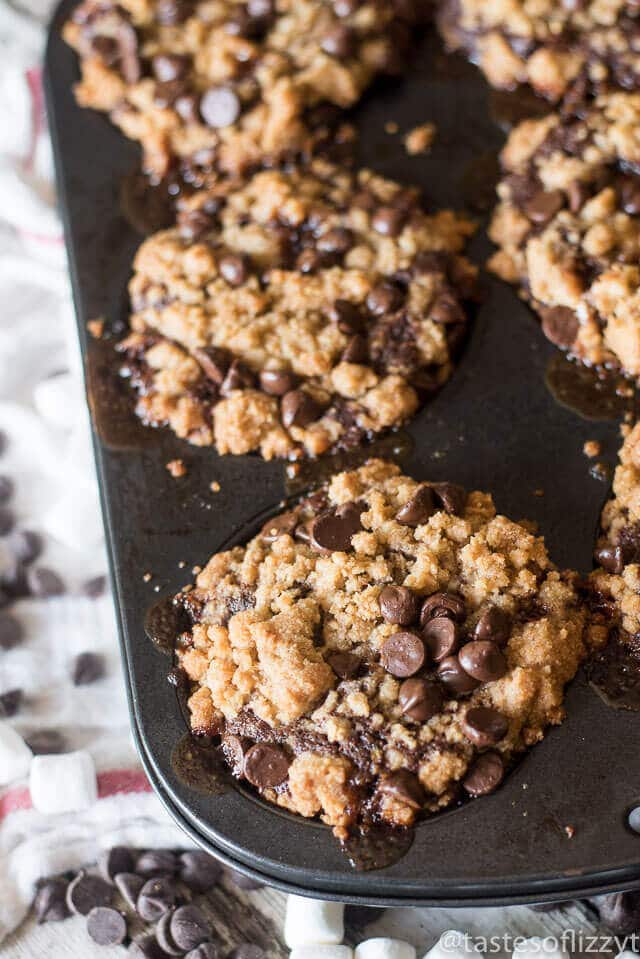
point(381, 649)
point(300, 312)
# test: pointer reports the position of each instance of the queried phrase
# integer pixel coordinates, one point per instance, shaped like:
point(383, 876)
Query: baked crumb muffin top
point(220, 86)
point(302, 311)
point(380, 649)
point(549, 44)
point(568, 227)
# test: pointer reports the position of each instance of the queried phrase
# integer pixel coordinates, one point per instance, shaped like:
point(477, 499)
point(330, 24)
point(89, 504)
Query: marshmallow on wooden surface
point(383, 948)
point(311, 922)
point(452, 944)
point(321, 952)
point(539, 948)
point(15, 755)
point(63, 782)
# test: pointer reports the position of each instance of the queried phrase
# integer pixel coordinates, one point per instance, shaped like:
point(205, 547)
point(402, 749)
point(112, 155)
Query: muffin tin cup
point(557, 827)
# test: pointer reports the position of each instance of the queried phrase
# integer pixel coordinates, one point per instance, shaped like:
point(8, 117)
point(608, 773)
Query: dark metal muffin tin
point(495, 426)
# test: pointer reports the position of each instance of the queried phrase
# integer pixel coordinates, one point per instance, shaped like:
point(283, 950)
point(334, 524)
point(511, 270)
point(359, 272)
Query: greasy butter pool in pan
point(495, 426)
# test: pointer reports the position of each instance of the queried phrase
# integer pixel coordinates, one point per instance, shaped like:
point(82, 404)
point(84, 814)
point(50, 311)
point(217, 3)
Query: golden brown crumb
point(96, 327)
point(176, 468)
point(391, 127)
point(147, 577)
point(420, 139)
point(592, 449)
point(215, 487)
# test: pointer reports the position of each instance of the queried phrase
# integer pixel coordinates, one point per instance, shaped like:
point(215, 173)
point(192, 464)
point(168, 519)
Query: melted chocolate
point(146, 206)
point(479, 182)
point(591, 393)
point(377, 847)
point(163, 624)
point(615, 673)
point(109, 399)
point(199, 765)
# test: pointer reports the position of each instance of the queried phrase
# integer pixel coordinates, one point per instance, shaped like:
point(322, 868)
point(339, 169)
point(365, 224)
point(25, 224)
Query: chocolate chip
point(484, 726)
point(611, 558)
point(544, 205)
point(279, 526)
point(454, 678)
point(94, 587)
point(84, 892)
point(6, 488)
point(13, 580)
point(10, 702)
point(339, 240)
point(441, 637)
point(50, 903)
point(299, 408)
point(559, 325)
point(244, 882)
point(7, 521)
point(87, 668)
point(266, 766)
point(344, 8)
point(447, 310)
point(171, 12)
point(278, 382)
point(483, 660)
point(129, 886)
point(398, 605)
point(239, 377)
point(403, 654)
point(147, 947)
point(420, 699)
point(443, 604)
point(119, 859)
point(389, 220)
point(485, 775)
point(419, 508)
point(220, 107)
point(246, 950)
point(156, 897)
point(106, 926)
point(356, 351)
point(11, 631)
point(345, 665)
point(260, 9)
point(166, 94)
point(25, 545)
point(494, 624)
point(309, 261)
point(403, 786)
point(210, 951)
point(451, 497)
point(384, 298)
point(630, 195)
point(214, 362)
point(339, 42)
point(156, 862)
point(45, 742)
point(199, 871)
point(189, 927)
point(578, 193)
point(235, 268)
point(44, 583)
point(170, 66)
point(163, 935)
point(333, 529)
point(346, 316)
point(620, 912)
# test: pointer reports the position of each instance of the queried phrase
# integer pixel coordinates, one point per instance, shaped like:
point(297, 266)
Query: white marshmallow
point(539, 948)
point(452, 944)
point(63, 782)
point(384, 949)
point(310, 922)
point(321, 952)
point(15, 755)
point(58, 399)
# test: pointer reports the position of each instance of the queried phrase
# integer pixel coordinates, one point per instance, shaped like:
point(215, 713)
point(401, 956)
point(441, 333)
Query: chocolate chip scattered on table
point(568, 228)
point(220, 89)
point(552, 45)
point(311, 310)
point(382, 648)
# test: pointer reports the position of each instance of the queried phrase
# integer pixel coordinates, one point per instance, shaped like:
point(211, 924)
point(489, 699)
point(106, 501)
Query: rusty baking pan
point(506, 422)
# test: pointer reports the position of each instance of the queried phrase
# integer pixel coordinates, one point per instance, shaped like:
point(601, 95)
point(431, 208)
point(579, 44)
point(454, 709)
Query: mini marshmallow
point(452, 944)
point(321, 952)
point(15, 755)
point(311, 922)
point(384, 949)
point(63, 782)
point(539, 948)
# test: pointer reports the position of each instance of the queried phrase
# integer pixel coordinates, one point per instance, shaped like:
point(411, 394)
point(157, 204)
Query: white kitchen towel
point(48, 456)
